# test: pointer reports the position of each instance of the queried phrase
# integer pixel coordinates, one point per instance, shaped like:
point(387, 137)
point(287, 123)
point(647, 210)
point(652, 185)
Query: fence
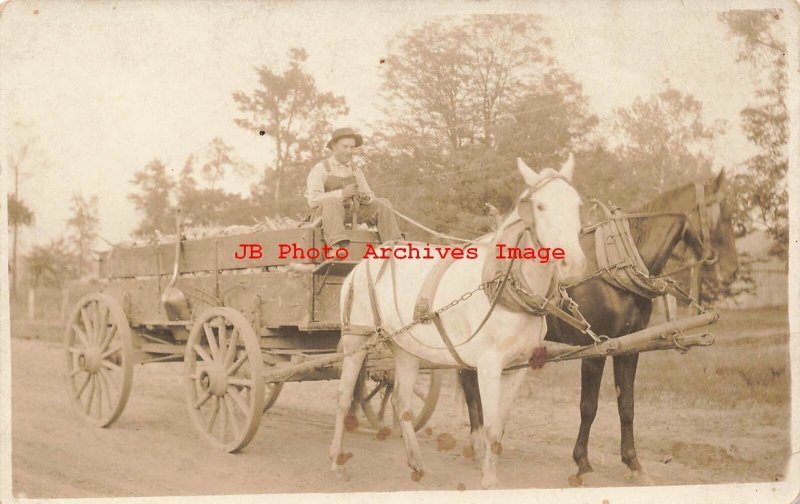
point(770, 286)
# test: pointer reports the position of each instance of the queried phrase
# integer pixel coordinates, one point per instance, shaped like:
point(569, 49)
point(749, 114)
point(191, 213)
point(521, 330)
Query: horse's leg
point(406, 368)
point(489, 381)
point(509, 385)
point(468, 379)
point(624, 378)
point(591, 377)
point(351, 365)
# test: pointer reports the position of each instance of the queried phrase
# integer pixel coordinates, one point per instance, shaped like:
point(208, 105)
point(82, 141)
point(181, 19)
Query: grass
point(747, 365)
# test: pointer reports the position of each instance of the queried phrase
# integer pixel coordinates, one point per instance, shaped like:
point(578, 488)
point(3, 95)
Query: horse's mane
point(661, 203)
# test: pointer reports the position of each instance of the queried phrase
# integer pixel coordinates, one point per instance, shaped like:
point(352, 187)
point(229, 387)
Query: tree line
point(463, 98)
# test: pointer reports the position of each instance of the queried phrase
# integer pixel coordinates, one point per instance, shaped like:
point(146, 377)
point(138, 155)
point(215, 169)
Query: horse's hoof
point(417, 475)
point(586, 479)
point(383, 433)
point(341, 473)
point(489, 483)
point(469, 453)
point(445, 442)
point(342, 458)
point(641, 478)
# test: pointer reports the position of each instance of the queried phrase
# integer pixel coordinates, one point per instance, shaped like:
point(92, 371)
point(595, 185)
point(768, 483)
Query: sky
point(103, 88)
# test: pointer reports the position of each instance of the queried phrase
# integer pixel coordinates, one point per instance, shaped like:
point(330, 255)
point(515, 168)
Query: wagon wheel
point(223, 383)
point(98, 352)
point(376, 393)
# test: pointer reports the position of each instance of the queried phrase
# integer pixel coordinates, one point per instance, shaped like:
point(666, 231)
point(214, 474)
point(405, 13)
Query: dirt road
point(153, 449)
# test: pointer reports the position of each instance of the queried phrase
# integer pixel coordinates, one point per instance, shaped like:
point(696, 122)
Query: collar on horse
point(618, 259)
point(519, 297)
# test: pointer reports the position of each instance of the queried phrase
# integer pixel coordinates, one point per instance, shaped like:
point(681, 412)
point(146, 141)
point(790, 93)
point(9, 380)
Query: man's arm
point(363, 187)
point(315, 187)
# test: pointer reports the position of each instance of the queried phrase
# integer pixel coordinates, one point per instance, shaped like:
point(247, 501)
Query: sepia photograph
point(447, 250)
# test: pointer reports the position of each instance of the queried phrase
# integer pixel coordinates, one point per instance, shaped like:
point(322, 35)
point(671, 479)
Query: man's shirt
point(315, 183)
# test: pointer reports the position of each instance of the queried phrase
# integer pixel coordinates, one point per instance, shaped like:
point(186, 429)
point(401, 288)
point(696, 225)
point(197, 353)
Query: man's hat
point(345, 133)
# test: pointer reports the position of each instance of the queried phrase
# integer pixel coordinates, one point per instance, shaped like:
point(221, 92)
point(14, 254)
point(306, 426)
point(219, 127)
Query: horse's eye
point(540, 207)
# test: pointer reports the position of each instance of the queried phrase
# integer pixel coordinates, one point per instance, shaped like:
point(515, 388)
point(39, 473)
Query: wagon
point(242, 327)
point(245, 325)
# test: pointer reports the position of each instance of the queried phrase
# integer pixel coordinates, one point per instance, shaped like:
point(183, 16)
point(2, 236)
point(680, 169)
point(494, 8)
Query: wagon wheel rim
point(271, 393)
point(98, 357)
point(223, 384)
point(375, 399)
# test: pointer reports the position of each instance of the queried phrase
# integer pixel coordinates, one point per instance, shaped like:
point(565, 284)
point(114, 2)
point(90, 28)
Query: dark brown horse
point(697, 216)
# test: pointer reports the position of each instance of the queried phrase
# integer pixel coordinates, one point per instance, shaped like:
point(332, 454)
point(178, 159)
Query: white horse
point(547, 215)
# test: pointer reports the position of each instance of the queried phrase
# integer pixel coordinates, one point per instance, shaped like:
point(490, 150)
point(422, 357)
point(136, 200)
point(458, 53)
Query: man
point(335, 180)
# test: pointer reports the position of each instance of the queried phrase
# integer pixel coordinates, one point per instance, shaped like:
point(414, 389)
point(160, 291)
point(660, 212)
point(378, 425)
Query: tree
point(447, 82)
point(466, 96)
point(761, 189)
point(18, 212)
point(20, 158)
point(153, 199)
point(290, 109)
point(662, 142)
point(84, 227)
point(221, 157)
point(48, 265)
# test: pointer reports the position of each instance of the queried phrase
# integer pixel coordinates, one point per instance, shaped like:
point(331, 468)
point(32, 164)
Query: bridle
point(525, 211)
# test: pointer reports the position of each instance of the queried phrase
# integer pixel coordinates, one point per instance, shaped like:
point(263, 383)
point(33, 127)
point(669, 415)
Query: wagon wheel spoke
point(203, 399)
point(223, 414)
point(385, 401)
point(102, 326)
point(213, 417)
point(106, 388)
point(236, 397)
point(233, 343)
point(81, 336)
point(110, 365)
point(89, 403)
point(110, 380)
point(212, 342)
point(237, 430)
point(222, 338)
point(236, 365)
point(83, 386)
point(377, 389)
point(111, 351)
point(203, 354)
point(87, 324)
point(75, 372)
point(243, 382)
point(111, 331)
point(99, 393)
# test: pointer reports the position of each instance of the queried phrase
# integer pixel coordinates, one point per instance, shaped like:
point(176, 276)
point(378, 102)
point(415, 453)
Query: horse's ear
point(568, 167)
point(530, 176)
point(720, 181)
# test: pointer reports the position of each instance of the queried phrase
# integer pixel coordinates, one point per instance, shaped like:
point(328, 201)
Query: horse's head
point(710, 229)
point(550, 207)
point(719, 242)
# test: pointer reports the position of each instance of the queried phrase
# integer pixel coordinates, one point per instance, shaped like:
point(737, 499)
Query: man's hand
point(349, 191)
point(363, 198)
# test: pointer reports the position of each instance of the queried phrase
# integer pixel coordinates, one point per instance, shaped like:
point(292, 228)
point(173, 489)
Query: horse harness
point(618, 260)
point(496, 283)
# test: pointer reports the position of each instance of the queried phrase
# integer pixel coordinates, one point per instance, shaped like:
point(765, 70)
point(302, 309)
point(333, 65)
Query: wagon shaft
point(659, 337)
